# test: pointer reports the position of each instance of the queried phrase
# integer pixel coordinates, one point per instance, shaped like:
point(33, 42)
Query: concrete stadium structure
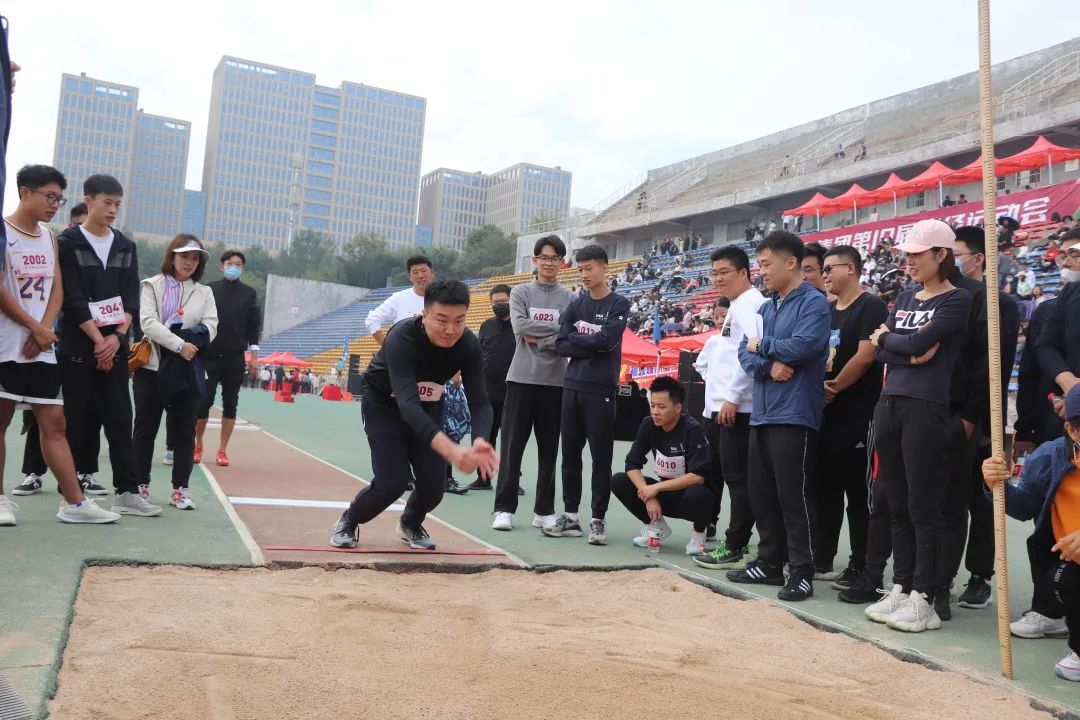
point(717, 194)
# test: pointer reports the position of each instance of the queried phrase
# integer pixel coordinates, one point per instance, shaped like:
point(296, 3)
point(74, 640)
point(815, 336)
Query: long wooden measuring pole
point(993, 327)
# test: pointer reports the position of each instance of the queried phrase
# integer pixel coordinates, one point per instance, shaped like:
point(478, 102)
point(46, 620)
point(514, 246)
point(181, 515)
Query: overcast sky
point(604, 89)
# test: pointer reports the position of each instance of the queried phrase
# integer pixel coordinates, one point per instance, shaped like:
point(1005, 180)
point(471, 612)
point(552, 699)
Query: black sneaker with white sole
point(417, 537)
point(90, 485)
point(563, 527)
point(343, 534)
point(862, 590)
point(758, 573)
point(976, 595)
point(796, 588)
point(846, 577)
point(941, 605)
point(29, 486)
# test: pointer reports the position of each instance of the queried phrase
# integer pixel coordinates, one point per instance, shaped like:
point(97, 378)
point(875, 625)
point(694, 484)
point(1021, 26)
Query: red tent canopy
point(850, 198)
point(638, 351)
point(1041, 153)
point(687, 342)
point(289, 360)
point(927, 179)
point(894, 187)
point(819, 204)
point(270, 359)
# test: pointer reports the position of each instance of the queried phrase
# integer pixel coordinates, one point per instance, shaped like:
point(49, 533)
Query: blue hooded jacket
point(1033, 496)
point(795, 331)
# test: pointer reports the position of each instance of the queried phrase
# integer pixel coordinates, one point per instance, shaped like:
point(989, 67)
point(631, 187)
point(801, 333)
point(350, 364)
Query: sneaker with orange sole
point(222, 458)
point(198, 454)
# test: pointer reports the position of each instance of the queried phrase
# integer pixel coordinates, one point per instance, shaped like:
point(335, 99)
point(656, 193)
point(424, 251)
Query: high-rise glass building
point(454, 203)
point(194, 221)
point(284, 154)
point(100, 129)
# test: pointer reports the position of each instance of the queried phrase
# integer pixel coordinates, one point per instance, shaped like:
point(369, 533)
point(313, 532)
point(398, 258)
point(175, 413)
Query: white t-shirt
point(718, 362)
point(402, 304)
point(100, 243)
point(29, 266)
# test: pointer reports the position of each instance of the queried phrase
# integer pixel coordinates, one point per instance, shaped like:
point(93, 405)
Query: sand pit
point(230, 645)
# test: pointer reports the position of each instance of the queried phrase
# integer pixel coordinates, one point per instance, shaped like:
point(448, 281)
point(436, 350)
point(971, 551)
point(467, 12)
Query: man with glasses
point(852, 386)
point(1058, 344)
point(534, 387)
point(729, 402)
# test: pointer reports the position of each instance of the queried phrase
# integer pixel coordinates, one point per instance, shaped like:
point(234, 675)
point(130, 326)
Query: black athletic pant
point(92, 397)
point(957, 500)
point(694, 503)
point(879, 537)
point(841, 473)
point(729, 450)
point(395, 448)
point(911, 437)
point(179, 422)
point(587, 417)
point(782, 461)
point(529, 409)
point(227, 369)
point(1057, 585)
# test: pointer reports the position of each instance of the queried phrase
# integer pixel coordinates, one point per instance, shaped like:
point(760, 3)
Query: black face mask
point(501, 310)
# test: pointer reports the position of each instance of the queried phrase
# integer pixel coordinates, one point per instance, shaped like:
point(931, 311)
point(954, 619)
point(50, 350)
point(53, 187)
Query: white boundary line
point(241, 529)
point(292, 502)
point(478, 541)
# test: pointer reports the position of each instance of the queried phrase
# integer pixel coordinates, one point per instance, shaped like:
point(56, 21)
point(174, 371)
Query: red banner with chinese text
point(1028, 207)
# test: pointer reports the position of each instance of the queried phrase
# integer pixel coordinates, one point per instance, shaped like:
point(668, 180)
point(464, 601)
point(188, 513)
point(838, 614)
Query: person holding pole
point(1049, 493)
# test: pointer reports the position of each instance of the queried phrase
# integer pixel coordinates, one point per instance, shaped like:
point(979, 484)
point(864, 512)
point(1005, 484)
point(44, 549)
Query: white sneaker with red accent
point(181, 500)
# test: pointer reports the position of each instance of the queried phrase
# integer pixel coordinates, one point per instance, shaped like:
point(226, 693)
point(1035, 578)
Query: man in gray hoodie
point(534, 386)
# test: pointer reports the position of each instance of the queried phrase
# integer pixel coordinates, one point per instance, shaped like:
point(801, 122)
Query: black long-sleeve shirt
point(85, 281)
point(239, 317)
point(498, 342)
point(684, 449)
point(915, 327)
point(408, 364)
point(1058, 345)
point(590, 334)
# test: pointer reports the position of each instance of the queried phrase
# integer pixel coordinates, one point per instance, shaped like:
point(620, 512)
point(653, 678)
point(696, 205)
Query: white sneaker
point(1068, 668)
point(1036, 625)
point(915, 615)
point(886, 606)
point(7, 511)
point(503, 521)
point(642, 540)
point(696, 546)
point(89, 512)
point(543, 521)
point(181, 500)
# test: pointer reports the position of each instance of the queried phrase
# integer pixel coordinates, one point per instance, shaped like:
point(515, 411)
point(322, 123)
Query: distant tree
point(488, 251)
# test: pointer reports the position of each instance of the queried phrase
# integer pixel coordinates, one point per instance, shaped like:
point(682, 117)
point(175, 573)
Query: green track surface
point(41, 559)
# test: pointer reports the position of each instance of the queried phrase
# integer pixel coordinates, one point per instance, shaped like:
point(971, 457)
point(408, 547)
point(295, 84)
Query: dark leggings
point(694, 503)
point(179, 420)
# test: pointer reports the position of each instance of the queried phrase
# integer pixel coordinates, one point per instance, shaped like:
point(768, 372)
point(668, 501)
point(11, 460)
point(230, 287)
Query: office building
point(454, 203)
point(284, 154)
point(100, 129)
point(194, 221)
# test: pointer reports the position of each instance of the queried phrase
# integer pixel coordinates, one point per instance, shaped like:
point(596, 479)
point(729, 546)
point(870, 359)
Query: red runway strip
point(380, 551)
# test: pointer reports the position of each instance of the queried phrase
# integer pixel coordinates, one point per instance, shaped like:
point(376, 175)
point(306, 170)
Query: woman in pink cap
point(919, 344)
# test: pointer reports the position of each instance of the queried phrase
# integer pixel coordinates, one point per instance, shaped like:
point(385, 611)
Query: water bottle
point(655, 533)
point(1018, 468)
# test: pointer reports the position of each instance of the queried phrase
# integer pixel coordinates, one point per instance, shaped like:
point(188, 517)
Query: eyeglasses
point(549, 258)
point(829, 268)
point(723, 273)
point(51, 198)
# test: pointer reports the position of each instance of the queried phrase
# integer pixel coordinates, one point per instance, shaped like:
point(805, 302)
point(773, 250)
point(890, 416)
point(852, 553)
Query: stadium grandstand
point(660, 228)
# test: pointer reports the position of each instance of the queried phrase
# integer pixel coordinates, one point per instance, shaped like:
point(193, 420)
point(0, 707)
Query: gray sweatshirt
point(535, 311)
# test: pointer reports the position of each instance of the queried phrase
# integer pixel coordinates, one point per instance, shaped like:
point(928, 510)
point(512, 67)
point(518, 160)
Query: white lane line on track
point(241, 529)
point(513, 558)
point(290, 502)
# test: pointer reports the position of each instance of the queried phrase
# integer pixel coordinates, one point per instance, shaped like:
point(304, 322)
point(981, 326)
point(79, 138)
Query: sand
point(311, 643)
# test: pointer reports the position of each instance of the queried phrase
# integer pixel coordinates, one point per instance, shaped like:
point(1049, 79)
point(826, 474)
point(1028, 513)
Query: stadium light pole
point(993, 325)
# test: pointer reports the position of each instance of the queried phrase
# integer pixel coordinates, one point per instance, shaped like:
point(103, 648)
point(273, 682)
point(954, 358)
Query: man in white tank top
point(30, 297)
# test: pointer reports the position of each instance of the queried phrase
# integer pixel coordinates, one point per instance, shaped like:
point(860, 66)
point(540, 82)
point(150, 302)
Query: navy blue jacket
point(590, 334)
point(1033, 496)
point(795, 332)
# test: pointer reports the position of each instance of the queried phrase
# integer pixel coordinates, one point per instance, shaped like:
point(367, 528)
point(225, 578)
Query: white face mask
point(1070, 276)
